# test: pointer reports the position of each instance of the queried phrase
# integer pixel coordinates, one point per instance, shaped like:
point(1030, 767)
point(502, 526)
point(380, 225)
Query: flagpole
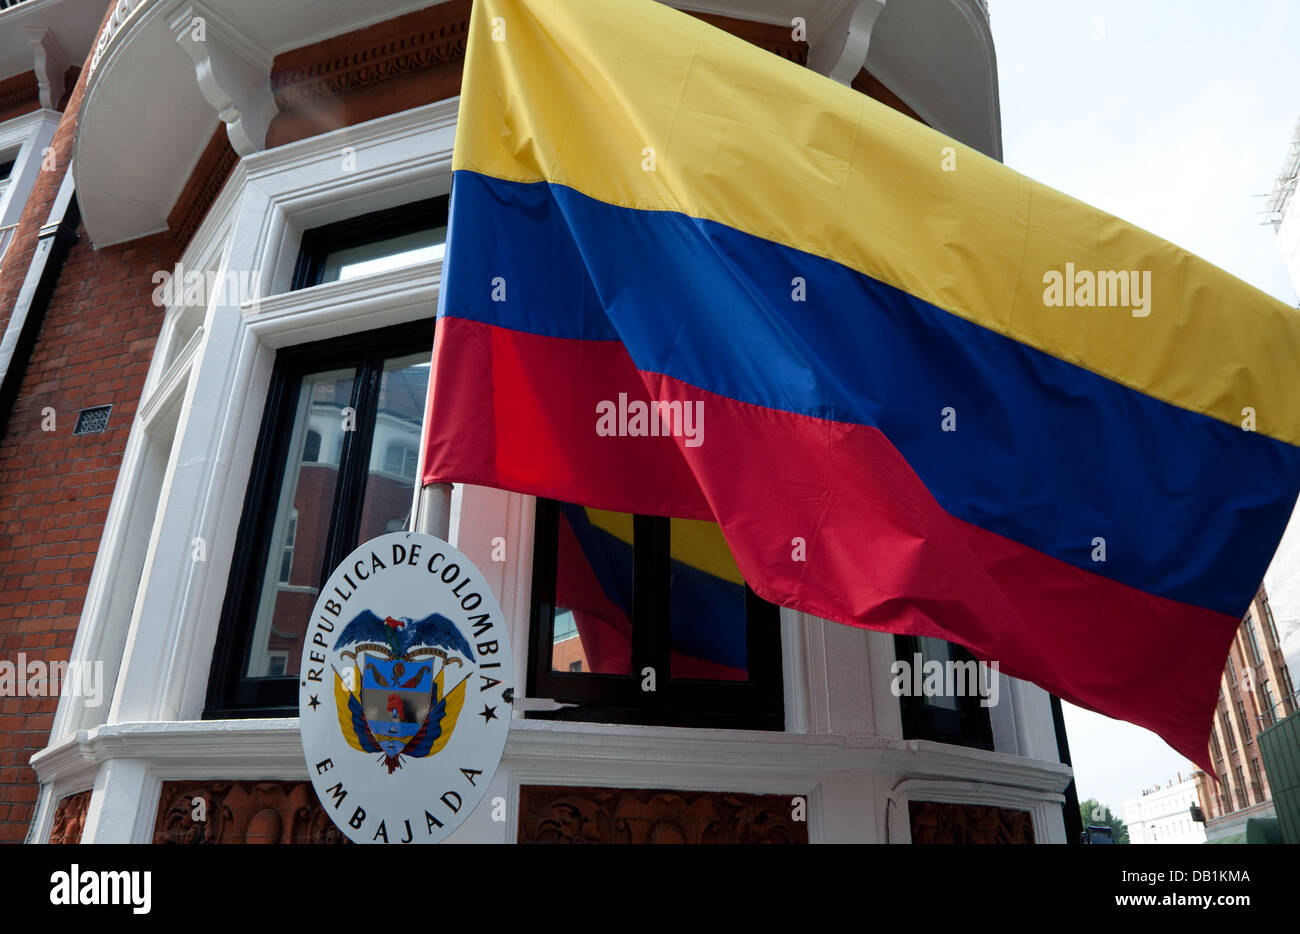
point(433, 512)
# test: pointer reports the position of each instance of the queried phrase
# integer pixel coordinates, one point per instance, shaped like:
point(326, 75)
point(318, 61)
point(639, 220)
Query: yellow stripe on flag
point(554, 91)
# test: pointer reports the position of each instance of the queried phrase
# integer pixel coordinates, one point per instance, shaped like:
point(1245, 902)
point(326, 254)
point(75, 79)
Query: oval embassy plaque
point(404, 667)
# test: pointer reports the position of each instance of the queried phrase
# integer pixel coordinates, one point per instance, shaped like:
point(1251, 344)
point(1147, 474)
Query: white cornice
point(396, 127)
point(372, 301)
point(310, 151)
point(227, 747)
point(21, 127)
point(256, 748)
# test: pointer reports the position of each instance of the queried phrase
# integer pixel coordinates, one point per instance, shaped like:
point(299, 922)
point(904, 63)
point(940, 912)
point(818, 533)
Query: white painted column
point(125, 797)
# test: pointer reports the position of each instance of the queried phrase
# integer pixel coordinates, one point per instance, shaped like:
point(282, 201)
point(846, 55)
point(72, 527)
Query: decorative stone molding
point(575, 814)
point(121, 13)
point(51, 65)
point(367, 56)
point(242, 812)
point(70, 817)
point(213, 168)
point(232, 71)
point(936, 822)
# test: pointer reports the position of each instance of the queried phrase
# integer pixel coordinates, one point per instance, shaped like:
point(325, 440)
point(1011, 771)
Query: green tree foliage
point(1097, 814)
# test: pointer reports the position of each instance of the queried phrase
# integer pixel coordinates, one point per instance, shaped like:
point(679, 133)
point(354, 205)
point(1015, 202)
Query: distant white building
point(1164, 815)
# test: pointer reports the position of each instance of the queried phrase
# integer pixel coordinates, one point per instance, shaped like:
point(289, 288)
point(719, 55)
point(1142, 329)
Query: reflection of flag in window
point(594, 575)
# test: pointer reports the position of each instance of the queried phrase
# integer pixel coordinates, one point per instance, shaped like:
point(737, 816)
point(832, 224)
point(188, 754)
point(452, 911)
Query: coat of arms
point(395, 701)
point(409, 642)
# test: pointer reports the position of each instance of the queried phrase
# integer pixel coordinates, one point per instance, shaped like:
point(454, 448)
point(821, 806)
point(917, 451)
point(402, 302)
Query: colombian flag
point(926, 394)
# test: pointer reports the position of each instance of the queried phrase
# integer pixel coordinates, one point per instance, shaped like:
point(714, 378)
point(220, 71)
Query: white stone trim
point(29, 134)
point(143, 755)
point(347, 306)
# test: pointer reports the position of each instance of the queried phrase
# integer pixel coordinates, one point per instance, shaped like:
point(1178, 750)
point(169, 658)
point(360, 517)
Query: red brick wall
point(53, 491)
point(55, 487)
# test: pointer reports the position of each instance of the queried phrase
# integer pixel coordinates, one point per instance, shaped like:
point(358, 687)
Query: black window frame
point(755, 704)
point(231, 694)
point(971, 725)
point(320, 242)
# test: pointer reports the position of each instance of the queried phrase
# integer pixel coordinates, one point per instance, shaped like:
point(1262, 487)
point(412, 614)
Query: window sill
point(370, 302)
point(271, 749)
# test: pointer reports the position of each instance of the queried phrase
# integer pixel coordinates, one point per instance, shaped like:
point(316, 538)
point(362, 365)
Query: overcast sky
point(1172, 115)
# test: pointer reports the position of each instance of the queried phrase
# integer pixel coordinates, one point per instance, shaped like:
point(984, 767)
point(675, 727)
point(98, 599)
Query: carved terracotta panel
point(19, 95)
point(570, 814)
point(937, 822)
point(242, 812)
point(70, 817)
point(215, 164)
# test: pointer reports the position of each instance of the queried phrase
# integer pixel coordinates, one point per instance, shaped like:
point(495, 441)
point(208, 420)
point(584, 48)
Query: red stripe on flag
point(511, 415)
point(879, 552)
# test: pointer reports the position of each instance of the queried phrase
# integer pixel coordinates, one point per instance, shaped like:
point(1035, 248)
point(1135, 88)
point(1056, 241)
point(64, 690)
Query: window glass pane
point(593, 591)
point(707, 604)
point(302, 523)
point(291, 532)
point(1256, 655)
point(311, 450)
point(423, 246)
point(943, 652)
point(390, 481)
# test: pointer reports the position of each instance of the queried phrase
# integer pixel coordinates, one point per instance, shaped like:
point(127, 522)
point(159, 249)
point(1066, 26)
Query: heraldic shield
point(397, 697)
point(394, 701)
